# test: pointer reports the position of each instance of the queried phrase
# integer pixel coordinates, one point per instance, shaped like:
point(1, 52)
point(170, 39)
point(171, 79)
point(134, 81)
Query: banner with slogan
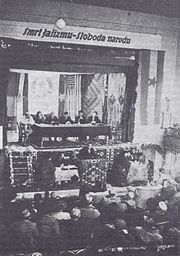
point(79, 35)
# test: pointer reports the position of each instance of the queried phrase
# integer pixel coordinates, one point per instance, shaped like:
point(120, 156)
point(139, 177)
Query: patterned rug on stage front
point(94, 173)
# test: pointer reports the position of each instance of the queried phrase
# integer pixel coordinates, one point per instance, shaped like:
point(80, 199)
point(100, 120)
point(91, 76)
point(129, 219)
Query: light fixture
point(60, 23)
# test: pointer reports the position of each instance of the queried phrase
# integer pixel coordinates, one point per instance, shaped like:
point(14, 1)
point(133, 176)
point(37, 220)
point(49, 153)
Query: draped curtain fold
point(25, 94)
point(20, 97)
point(72, 100)
point(12, 93)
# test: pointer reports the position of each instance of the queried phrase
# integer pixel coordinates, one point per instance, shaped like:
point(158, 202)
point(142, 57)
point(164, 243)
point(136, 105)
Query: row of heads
point(80, 113)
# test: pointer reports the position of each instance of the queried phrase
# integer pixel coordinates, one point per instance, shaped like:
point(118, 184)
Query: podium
point(93, 174)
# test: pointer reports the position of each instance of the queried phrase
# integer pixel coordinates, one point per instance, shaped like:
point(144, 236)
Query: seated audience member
point(80, 119)
point(88, 211)
point(39, 118)
point(148, 234)
point(65, 119)
point(172, 236)
point(27, 119)
point(78, 232)
point(59, 210)
point(48, 228)
point(24, 232)
point(51, 119)
point(37, 202)
point(87, 152)
point(120, 236)
point(94, 118)
point(160, 213)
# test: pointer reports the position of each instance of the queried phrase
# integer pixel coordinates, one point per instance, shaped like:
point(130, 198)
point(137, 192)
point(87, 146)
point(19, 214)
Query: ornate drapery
point(116, 93)
point(93, 93)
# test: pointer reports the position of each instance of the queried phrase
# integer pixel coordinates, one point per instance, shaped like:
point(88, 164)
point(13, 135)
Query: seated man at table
point(27, 119)
point(80, 119)
point(39, 118)
point(25, 127)
point(93, 119)
point(51, 119)
point(65, 119)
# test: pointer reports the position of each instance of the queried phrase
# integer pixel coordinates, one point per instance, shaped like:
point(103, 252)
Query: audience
point(48, 223)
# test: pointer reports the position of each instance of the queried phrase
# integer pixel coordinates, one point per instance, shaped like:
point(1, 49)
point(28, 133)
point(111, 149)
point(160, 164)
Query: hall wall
point(106, 18)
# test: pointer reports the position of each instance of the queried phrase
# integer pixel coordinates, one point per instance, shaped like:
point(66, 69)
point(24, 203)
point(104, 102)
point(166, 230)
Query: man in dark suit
point(51, 119)
point(65, 119)
point(80, 119)
point(87, 152)
point(94, 118)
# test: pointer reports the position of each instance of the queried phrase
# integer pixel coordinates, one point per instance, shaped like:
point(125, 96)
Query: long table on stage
point(69, 130)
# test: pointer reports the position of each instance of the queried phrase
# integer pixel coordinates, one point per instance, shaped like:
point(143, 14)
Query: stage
point(24, 161)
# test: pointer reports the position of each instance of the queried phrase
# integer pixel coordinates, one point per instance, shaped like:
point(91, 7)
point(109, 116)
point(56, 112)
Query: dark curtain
point(61, 94)
point(128, 116)
point(25, 95)
point(4, 74)
point(145, 60)
point(105, 108)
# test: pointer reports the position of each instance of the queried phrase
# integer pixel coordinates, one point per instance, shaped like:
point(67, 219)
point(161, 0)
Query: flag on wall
point(151, 77)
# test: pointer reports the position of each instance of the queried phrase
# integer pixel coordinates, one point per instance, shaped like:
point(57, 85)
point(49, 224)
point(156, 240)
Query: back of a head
point(120, 224)
point(45, 208)
point(60, 205)
point(149, 222)
point(38, 197)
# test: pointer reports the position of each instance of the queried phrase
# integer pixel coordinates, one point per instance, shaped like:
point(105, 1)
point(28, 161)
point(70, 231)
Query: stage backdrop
point(104, 93)
point(35, 91)
point(43, 92)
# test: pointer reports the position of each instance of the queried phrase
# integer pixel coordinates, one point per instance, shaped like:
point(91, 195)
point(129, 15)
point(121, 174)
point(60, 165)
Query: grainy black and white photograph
point(89, 127)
